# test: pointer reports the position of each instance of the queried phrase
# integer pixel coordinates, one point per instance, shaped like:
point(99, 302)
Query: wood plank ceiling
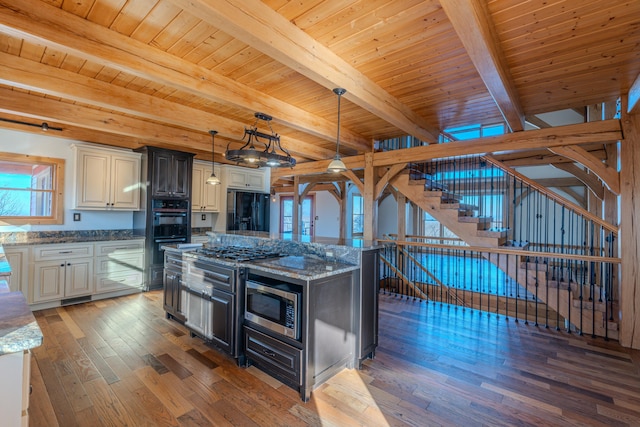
point(163, 72)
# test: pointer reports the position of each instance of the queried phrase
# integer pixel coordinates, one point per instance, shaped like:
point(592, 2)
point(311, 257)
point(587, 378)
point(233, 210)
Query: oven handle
point(181, 239)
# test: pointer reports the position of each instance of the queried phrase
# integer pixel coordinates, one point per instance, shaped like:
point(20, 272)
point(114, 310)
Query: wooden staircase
point(588, 316)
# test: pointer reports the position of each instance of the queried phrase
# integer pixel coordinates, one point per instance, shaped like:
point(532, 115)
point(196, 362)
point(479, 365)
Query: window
point(30, 189)
point(471, 132)
point(357, 215)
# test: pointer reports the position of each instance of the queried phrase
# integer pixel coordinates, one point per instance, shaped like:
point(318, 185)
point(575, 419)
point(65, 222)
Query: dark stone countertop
point(18, 328)
point(301, 267)
point(52, 237)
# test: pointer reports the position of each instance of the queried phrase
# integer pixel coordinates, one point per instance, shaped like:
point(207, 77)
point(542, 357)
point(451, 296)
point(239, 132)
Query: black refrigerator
point(247, 211)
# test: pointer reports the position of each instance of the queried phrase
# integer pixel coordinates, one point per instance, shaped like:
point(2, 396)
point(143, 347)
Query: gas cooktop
point(237, 253)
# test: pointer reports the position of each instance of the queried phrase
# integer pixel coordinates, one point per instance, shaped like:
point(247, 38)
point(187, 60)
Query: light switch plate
point(76, 216)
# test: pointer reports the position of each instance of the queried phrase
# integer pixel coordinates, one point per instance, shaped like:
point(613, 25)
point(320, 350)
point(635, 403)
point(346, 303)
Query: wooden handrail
point(503, 251)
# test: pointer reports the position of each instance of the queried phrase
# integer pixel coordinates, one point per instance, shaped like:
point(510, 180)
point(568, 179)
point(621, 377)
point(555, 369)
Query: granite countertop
point(301, 267)
point(18, 328)
point(79, 236)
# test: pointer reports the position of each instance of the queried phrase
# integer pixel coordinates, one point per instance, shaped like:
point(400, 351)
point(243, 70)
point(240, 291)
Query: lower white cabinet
point(119, 265)
point(59, 272)
point(60, 279)
point(15, 371)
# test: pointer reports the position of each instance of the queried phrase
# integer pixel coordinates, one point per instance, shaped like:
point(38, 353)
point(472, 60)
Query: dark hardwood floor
point(119, 362)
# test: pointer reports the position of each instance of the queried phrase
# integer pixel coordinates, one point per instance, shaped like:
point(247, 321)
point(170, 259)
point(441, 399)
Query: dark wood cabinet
point(171, 174)
point(273, 356)
point(223, 317)
point(172, 280)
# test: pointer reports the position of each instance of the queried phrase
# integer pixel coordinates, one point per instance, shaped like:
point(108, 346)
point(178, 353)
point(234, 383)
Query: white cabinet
point(204, 197)
point(200, 239)
point(15, 371)
point(119, 265)
point(106, 179)
point(18, 258)
point(246, 179)
point(61, 271)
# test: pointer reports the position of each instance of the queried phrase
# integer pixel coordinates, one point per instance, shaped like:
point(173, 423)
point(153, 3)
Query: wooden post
point(629, 236)
point(343, 210)
point(401, 199)
point(296, 206)
point(370, 205)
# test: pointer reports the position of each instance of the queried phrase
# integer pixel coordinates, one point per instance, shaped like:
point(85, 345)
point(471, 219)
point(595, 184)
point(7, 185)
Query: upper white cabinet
point(246, 179)
point(204, 197)
point(106, 179)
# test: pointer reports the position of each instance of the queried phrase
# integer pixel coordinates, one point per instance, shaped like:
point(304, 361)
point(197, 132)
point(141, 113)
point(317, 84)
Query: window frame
point(57, 187)
point(354, 214)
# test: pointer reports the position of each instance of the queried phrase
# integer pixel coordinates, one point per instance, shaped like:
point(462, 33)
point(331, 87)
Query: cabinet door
point(198, 178)
point(236, 178)
point(48, 281)
point(255, 180)
point(223, 316)
point(162, 170)
point(78, 277)
point(181, 176)
point(125, 177)
point(92, 179)
point(18, 258)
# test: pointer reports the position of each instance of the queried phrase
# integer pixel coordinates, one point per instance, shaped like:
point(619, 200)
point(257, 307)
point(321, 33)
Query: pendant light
point(213, 179)
point(270, 153)
point(337, 165)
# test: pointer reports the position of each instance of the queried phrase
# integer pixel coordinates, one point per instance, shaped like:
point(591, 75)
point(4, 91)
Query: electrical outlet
point(76, 216)
point(204, 217)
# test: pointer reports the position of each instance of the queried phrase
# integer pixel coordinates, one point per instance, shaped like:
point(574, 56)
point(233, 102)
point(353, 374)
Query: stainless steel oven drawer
point(274, 357)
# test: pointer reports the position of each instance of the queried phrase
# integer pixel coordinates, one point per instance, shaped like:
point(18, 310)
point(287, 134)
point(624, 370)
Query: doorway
point(307, 215)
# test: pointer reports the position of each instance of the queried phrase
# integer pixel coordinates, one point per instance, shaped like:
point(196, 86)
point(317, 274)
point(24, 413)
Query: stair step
point(512, 244)
point(459, 206)
point(498, 233)
point(444, 195)
point(482, 222)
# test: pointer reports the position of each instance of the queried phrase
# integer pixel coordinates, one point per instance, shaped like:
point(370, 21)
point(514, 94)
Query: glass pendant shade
point(213, 179)
point(337, 165)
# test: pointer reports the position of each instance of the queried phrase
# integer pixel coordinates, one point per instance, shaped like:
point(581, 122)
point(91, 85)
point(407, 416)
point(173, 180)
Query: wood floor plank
point(121, 362)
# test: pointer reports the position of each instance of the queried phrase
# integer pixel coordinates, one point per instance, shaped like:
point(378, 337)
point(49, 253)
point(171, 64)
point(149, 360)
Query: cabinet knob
point(68, 263)
point(62, 265)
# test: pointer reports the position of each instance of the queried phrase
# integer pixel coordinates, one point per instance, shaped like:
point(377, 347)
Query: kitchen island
point(301, 311)
point(19, 333)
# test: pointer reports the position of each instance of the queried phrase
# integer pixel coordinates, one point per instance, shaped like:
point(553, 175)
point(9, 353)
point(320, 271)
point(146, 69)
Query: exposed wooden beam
point(537, 122)
point(259, 26)
point(41, 23)
point(473, 24)
point(583, 133)
point(633, 102)
point(560, 182)
point(602, 131)
point(607, 174)
point(34, 76)
point(354, 178)
point(44, 109)
point(592, 182)
point(384, 180)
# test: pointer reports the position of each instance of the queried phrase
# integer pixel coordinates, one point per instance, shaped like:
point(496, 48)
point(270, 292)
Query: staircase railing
point(532, 216)
point(565, 291)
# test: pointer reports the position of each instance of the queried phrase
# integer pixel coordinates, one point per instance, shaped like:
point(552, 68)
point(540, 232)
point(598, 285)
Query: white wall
point(47, 146)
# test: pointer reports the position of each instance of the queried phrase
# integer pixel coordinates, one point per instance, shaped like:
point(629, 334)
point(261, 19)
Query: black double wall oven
point(170, 225)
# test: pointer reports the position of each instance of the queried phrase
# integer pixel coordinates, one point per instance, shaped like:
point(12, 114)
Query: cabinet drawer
point(120, 263)
point(118, 281)
point(173, 262)
point(120, 247)
point(273, 356)
point(63, 251)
